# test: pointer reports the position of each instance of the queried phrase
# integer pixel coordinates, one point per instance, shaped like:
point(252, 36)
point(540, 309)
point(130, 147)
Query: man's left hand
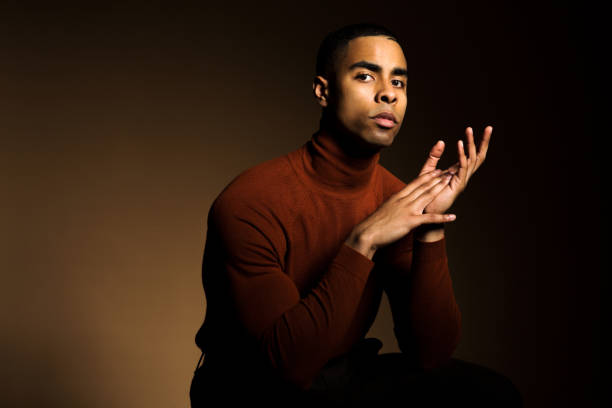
point(461, 171)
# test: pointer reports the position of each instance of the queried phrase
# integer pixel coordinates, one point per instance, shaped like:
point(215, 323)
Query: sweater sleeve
point(427, 321)
point(426, 317)
point(297, 336)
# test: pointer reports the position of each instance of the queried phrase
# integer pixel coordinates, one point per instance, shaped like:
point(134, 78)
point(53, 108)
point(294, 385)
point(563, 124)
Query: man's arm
point(426, 317)
point(429, 232)
point(429, 319)
point(297, 336)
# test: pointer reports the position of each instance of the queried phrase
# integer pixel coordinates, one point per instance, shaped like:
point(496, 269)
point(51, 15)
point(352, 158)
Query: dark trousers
point(367, 380)
point(390, 380)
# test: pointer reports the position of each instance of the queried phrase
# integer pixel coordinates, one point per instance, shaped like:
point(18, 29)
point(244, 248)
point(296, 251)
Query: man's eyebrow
point(377, 68)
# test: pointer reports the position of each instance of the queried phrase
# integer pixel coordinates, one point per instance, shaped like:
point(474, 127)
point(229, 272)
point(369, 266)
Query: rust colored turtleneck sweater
point(283, 289)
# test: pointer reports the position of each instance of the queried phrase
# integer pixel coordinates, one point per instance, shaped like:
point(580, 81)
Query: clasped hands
point(460, 172)
point(424, 200)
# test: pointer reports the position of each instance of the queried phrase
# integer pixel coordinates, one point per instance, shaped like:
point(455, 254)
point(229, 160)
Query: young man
point(300, 248)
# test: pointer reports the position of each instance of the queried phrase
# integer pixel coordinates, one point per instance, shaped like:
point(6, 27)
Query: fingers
point(463, 162)
point(484, 145)
point(428, 195)
point(417, 182)
point(471, 147)
point(428, 186)
point(453, 169)
point(475, 159)
point(434, 156)
point(436, 218)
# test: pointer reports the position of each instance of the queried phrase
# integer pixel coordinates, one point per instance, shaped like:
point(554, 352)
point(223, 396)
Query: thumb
point(437, 218)
point(434, 155)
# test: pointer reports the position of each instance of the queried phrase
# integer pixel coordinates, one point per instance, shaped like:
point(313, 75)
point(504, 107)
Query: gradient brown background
point(119, 125)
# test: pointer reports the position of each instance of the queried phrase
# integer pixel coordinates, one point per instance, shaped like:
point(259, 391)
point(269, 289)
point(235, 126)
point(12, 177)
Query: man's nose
point(386, 94)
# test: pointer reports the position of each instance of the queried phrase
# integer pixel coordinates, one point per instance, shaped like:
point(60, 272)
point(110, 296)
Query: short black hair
point(334, 44)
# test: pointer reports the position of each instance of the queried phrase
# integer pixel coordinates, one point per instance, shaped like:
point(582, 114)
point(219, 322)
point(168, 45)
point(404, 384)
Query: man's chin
point(381, 139)
point(368, 143)
point(375, 145)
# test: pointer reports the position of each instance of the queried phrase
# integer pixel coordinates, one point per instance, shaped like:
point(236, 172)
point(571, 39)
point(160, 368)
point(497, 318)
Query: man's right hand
point(400, 214)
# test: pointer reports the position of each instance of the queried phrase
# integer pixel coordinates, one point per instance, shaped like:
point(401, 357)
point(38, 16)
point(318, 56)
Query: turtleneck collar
point(330, 167)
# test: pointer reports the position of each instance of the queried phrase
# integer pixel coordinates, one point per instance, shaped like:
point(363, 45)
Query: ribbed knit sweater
point(283, 289)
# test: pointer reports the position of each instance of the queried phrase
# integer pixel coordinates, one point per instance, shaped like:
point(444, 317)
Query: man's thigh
point(391, 380)
point(211, 388)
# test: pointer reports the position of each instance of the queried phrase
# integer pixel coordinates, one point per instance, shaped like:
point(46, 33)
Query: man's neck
point(350, 143)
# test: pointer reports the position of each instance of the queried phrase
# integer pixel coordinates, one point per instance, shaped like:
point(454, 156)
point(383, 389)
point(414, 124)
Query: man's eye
point(362, 75)
point(402, 84)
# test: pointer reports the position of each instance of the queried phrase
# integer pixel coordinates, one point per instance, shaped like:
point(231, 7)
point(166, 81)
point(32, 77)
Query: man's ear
point(320, 88)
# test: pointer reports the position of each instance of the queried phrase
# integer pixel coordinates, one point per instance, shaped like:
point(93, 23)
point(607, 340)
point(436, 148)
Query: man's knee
point(486, 387)
point(507, 393)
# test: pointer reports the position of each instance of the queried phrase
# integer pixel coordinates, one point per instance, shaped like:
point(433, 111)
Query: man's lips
point(385, 119)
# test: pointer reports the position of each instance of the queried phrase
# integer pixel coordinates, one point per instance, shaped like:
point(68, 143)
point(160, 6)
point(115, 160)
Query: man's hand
point(400, 214)
point(461, 171)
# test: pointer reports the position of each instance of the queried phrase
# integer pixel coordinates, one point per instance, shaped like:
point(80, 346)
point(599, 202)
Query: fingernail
point(451, 216)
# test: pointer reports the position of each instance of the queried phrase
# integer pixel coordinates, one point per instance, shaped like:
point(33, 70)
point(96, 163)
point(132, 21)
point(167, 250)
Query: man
point(299, 249)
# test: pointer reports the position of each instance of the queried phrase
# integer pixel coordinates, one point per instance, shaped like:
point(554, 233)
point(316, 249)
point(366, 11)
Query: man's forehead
point(377, 49)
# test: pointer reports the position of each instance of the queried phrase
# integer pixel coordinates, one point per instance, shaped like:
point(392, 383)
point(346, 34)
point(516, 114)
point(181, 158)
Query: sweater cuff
point(354, 262)
point(429, 251)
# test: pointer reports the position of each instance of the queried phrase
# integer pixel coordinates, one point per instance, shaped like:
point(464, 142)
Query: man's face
point(370, 79)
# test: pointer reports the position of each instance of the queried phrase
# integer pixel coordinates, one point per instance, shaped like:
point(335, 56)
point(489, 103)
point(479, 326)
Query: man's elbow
point(293, 378)
point(442, 352)
point(293, 371)
point(430, 353)
point(298, 380)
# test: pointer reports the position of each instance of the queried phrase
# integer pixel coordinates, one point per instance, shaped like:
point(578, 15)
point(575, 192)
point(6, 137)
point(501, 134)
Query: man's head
point(360, 73)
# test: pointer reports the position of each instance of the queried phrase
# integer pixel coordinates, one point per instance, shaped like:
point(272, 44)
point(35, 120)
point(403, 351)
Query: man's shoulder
point(266, 186)
point(262, 179)
point(251, 213)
